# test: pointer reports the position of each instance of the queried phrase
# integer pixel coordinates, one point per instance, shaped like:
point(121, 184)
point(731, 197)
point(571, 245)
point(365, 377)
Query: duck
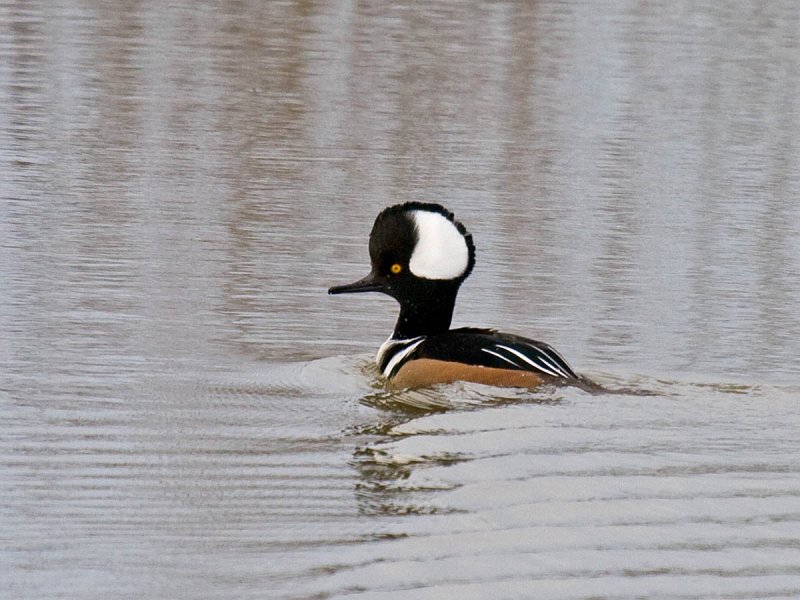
point(420, 255)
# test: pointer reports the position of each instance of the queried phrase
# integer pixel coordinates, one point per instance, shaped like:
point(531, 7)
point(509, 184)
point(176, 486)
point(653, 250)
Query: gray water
point(185, 413)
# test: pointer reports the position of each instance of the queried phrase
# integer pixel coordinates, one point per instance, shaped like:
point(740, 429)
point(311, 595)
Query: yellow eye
point(396, 268)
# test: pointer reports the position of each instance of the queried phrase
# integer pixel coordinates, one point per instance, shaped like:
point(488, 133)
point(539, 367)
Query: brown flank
point(427, 371)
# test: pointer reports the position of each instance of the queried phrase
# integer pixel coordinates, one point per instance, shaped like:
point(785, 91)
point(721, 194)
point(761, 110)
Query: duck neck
point(427, 315)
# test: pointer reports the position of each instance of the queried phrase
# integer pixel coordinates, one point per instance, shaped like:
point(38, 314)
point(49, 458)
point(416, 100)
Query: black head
point(413, 243)
point(420, 255)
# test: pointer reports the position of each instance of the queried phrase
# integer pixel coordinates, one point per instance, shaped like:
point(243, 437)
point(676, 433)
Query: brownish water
point(185, 412)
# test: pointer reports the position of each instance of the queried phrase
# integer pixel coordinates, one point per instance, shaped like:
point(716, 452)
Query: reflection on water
point(187, 414)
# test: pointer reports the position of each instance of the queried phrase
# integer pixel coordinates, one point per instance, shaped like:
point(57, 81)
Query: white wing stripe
point(543, 368)
point(397, 358)
point(555, 353)
point(552, 362)
point(500, 356)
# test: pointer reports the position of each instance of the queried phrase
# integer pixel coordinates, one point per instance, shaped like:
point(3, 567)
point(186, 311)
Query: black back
point(490, 348)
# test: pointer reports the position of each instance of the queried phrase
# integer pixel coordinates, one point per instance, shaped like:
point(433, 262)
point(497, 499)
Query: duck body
point(420, 255)
point(469, 354)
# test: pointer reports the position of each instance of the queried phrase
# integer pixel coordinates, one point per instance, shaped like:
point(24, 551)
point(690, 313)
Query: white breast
point(408, 347)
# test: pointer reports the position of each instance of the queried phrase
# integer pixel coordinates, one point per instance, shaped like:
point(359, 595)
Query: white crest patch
point(441, 252)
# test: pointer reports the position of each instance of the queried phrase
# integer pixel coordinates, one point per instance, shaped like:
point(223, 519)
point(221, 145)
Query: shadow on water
point(469, 396)
point(550, 472)
point(426, 430)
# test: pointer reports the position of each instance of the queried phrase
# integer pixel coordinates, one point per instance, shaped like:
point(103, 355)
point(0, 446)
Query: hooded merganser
point(420, 256)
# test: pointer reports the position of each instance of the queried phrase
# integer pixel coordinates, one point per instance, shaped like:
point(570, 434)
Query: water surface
point(187, 414)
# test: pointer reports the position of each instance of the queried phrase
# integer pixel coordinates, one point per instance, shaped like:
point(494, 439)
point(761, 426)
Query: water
point(186, 413)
